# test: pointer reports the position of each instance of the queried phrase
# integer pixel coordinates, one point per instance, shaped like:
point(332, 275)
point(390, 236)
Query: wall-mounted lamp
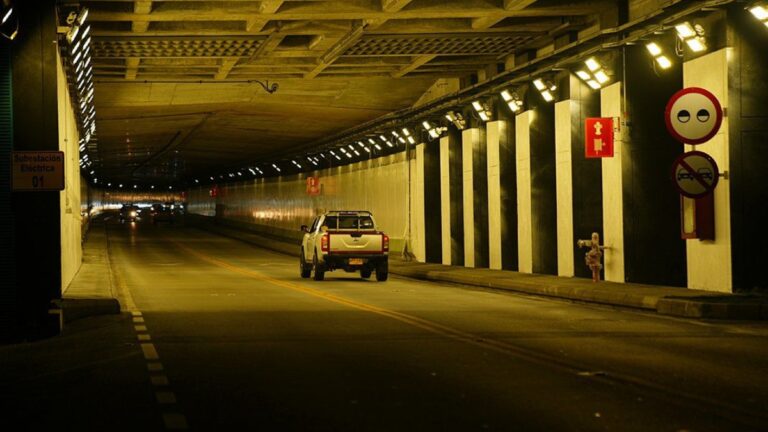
point(483, 110)
point(408, 136)
point(457, 119)
point(658, 55)
point(595, 75)
point(545, 88)
point(434, 131)
point(760, 12)
point(692, 35)
point(513, 100)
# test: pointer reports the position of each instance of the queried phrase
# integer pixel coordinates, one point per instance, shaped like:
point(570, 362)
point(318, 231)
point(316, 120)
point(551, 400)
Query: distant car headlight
point(133, 214)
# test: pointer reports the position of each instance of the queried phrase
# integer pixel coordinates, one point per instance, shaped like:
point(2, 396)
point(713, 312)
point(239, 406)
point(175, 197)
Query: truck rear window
point(348, 222)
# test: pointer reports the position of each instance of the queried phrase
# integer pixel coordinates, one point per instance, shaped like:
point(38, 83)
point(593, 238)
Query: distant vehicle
point(344, 240)
point(129, 213)
point(161, 213)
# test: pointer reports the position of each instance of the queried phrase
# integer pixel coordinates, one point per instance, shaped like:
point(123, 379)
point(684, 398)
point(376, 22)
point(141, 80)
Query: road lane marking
point(138, 319)
point(566, 365)
point(140, 328)
point(165, 397)
point(175, 421)
point(136, 313)
point(144, 337)
point(154, 366)
point(159, 380)
point(150, 353)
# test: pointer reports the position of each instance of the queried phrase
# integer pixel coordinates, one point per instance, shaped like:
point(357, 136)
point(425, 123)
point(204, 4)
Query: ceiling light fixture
point(482, 110)
point(658, 55)
point(692, 35)
point(545, 88)
point(595, 75)
point(761, 13)
point(456, 119)
point(513, 100)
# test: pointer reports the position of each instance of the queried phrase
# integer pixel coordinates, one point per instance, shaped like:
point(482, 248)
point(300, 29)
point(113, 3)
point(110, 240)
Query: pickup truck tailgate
point(355, 243)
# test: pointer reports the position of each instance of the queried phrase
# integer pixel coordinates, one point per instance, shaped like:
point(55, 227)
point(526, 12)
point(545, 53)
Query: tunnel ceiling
point(175, 90)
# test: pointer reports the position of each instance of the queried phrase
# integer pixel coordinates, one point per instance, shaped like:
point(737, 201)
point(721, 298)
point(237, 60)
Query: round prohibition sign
point(695, 174)
point(693, 115)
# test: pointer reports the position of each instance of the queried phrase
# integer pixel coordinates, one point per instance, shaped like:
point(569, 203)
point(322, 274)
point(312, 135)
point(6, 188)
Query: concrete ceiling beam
point(415, 64)
point(226, 67)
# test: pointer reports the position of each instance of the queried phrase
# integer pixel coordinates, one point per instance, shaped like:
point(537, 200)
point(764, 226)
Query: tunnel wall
point(280, 205)
point(70, 197)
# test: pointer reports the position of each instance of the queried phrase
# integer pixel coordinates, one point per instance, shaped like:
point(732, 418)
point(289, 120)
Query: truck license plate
point(355, 261)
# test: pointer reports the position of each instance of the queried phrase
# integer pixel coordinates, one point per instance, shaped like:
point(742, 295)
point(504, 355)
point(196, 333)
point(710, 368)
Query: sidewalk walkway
point(91, 291)
point(663, 300)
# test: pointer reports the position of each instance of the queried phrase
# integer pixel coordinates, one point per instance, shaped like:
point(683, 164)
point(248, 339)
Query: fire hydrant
point(592, 258)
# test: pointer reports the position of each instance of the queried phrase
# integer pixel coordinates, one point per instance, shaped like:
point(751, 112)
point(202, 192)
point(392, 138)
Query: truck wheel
point(304, 268)
point(317, 269)
point(365, 273)
point(382, 271)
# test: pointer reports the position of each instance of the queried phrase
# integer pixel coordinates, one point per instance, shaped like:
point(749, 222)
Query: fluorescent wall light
point(513, 100)
point(692, 35)
point(596, 77)
point(457, 119)
point(657, 53)
point(482, 110)
point(759, 12)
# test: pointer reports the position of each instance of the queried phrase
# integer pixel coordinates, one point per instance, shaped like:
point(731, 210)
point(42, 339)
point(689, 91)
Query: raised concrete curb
point(672, 301)
point(91, 292)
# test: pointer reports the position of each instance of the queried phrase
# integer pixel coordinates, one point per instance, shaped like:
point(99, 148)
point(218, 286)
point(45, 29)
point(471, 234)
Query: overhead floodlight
point(658, 55)
point(298, 165)
point(456, 119)
point(692, 35)
point(277, 168)
point(592, 64)
point(7, 15)
point(482, 110)
point(378, 147)
point(545, 88)
point(434, 131)
point(513, 100)
point(409, 136)
point(386, 141)
point(596, 77)
point(398, 137)
point(760, 12)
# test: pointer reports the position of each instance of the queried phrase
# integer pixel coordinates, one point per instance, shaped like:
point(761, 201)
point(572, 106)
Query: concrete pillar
point(710, 264)
point(445, 199)
point(36, 215)
point(613, 198)
point(469, 139)
point(524, 212)
point(564, 177)
point(418, 247)
point(496, 133)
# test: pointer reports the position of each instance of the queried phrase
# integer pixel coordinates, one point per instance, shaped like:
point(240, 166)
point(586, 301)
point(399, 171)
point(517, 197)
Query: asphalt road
point(236, 340)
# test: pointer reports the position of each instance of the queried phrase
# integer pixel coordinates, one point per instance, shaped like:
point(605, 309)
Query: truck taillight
point(385, 242)
point(324, 243)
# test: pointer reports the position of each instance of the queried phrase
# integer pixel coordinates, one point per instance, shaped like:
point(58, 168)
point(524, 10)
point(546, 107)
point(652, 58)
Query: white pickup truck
point(347, 240)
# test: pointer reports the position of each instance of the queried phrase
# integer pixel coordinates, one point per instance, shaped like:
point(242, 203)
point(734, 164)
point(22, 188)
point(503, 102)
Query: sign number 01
point(38, 181)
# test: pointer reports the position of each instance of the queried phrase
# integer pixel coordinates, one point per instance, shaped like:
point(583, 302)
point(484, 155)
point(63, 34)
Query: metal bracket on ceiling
point(266, 86)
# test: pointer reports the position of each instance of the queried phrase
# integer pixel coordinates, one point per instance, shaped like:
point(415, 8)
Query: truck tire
point(304, 268)
point(365, 273)
point(382, 271)
point(317, 269)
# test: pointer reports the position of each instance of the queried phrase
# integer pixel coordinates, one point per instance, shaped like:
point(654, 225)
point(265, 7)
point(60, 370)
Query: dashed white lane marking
point(144, 337)
point(165, 397)
point(136, 313)
point(175, 421)
point(150, 353)
point(140, 328)
point(159, 380)
point(138, 319)
point(154, 366)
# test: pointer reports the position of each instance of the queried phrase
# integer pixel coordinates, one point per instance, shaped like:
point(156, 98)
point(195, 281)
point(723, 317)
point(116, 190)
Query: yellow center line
point(411, 320)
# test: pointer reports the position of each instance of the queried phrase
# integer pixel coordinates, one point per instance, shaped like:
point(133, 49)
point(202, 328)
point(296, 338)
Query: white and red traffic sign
point(598, 137)
point(695, 174)
point(693, 115)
